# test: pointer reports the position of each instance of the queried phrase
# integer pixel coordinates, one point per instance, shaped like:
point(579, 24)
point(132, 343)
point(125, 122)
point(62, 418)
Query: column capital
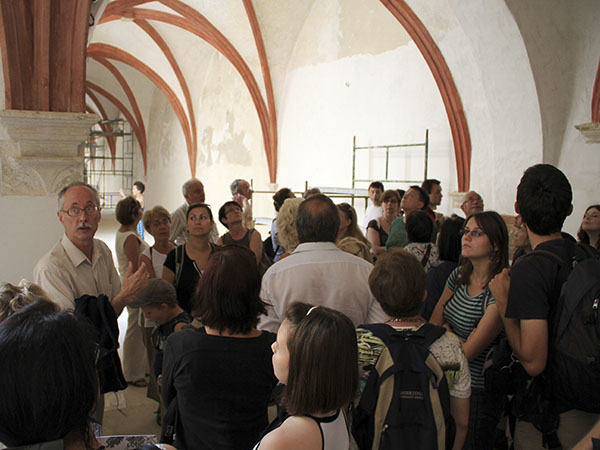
point(41, 150)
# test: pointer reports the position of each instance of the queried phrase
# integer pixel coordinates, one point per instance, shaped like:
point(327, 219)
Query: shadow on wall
point(231, 149)
point(552, 47)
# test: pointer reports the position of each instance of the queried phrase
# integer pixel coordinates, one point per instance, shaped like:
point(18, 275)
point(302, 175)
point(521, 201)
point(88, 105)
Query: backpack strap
point(427, 333)
point(579, 253)
point(563, 311)
point(381, 330)
point(426, 257)
point(430, 333)
point(179, 255)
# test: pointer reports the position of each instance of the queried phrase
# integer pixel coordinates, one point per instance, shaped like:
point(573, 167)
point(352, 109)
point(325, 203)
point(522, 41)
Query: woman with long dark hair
point(589, 230)
point(379, 229)
point(468, 308)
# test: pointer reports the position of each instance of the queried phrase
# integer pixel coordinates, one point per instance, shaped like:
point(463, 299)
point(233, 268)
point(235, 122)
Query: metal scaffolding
point(388, 149)
point(101, 169)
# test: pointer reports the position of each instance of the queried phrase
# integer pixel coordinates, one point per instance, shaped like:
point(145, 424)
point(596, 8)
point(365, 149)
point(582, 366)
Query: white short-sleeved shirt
point(65, 273)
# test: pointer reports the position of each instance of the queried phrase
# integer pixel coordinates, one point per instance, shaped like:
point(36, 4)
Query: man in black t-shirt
point(527, 297)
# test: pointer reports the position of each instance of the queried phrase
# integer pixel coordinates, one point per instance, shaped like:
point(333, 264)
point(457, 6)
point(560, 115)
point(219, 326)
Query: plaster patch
point(369, 28)
point(335, 29)
point(230, 149)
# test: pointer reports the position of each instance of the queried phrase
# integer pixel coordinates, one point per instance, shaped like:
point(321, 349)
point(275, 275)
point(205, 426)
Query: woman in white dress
point(129, 245)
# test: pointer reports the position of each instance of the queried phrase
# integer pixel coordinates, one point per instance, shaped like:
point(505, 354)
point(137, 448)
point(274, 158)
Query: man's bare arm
point(528, 338)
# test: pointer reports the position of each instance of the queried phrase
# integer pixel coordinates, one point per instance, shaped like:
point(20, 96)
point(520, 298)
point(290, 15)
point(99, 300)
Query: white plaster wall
point(365, 78)
point(30, 228)
point(485, 53)
point(345, 68)
point(230, 143)
point(563, 44)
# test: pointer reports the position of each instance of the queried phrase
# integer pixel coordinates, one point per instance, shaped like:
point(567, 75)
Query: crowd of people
point(306, 320)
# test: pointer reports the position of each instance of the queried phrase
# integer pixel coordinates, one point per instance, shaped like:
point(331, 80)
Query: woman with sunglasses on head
point(468, 309)
point(232, 217)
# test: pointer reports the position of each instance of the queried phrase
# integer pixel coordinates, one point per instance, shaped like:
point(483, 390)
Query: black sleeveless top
point(243, 242)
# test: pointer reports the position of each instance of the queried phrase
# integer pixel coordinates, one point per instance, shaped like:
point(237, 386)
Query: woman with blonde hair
point(157, 222)
point(286, 222)
point(356, 247)
point(278, 199)
point(13, 298)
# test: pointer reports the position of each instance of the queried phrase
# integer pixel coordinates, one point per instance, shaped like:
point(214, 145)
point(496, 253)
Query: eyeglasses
point(75, 211)
point(473, 233)
point(472, 200)
point(157, 223)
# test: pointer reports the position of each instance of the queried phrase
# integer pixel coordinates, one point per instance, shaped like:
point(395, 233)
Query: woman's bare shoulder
point(296, 433)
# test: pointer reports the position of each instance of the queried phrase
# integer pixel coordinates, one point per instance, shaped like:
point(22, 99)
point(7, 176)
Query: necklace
point(407, 319)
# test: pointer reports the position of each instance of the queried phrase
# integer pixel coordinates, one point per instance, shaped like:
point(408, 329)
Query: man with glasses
point(472, 204)
point(79, 264)
point(242, 194)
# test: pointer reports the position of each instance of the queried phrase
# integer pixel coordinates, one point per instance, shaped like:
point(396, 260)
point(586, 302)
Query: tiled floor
point(135, 417)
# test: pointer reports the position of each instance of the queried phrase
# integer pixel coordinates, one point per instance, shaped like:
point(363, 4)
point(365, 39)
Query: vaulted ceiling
point(137, 44)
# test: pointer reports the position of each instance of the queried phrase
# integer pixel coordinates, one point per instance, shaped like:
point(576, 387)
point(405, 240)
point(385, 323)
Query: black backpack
point(574, 332)
point(406, 401)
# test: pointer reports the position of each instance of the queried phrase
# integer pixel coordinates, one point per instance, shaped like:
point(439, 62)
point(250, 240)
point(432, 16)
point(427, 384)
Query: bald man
point(472, 204)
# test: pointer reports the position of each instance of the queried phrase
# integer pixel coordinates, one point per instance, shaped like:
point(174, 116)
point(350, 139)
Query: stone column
point(41, 151)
